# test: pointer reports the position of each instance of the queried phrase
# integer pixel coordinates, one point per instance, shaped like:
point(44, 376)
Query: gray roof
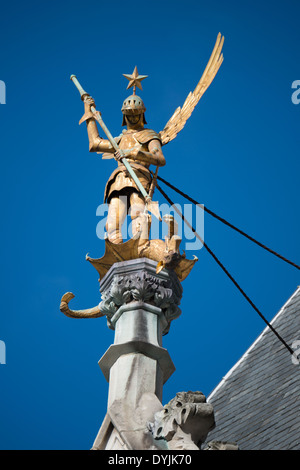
point(257, 404)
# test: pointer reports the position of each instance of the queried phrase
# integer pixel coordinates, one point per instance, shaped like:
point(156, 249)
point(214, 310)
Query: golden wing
point(181, 115)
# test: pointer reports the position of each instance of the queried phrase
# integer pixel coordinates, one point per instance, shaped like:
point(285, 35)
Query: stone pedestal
point(140, 298)
point(140, 305)
point(136, 363)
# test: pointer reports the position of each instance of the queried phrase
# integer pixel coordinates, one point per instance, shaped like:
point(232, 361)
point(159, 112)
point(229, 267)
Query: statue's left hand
point(128, 153)
point(118, 155)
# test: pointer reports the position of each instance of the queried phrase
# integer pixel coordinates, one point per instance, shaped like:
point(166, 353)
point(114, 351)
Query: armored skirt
point(120, 182)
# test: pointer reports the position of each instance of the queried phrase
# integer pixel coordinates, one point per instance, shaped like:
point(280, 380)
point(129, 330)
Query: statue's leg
point(139, 219)
point(117, 211)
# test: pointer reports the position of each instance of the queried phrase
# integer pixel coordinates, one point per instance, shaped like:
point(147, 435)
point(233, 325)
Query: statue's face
point(133, 120)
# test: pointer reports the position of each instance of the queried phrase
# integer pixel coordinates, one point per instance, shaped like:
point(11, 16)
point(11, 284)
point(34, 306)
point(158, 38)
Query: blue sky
point(238, 155)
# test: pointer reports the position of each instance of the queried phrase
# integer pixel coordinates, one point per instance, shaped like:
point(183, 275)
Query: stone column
point(140, 305)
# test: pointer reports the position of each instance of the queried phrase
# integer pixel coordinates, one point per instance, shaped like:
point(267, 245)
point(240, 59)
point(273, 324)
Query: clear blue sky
point(238, 154)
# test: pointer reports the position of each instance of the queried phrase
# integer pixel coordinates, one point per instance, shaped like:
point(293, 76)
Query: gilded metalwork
point(181, 115)
point(135, 80)
point(94, 312)
point(135, 150)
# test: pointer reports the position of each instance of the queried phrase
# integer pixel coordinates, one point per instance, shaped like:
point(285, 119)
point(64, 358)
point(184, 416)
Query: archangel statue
point(130, 187)
point(141, 146)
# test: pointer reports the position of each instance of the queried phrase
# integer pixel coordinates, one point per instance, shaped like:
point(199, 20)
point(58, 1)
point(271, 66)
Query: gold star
point(135, 80)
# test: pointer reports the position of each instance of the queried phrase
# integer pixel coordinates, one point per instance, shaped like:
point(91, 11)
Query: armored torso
point(120, 178)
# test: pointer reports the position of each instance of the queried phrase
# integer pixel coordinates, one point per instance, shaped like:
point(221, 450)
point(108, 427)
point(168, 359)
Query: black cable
point(228, 223)
point(225, 270)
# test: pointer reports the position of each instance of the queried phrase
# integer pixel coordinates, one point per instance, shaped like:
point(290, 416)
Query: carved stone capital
point(137, 281)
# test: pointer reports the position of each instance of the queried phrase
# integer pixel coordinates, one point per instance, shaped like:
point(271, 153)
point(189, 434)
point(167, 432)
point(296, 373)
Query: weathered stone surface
point(126, 427)
point(138, 330)
point(131, 376)
point(137, 280)
point(140, 305)
point(131, 422)
point(185, 421)
point(219, 445)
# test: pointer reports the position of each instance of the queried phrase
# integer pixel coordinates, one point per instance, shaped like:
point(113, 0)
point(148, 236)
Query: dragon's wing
point(181, 115)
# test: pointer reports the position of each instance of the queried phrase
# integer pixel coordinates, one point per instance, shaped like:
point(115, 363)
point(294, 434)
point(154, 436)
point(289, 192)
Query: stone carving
point(218, 445)
point(141, 287)
point(184, 422)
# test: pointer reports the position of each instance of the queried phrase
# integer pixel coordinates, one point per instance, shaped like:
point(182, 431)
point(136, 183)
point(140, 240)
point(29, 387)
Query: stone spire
point(140, 305)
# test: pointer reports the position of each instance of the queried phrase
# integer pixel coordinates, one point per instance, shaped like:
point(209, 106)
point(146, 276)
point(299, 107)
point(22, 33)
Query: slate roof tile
point(257, 404)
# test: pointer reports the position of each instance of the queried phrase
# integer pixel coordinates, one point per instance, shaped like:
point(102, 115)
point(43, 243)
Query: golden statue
point(130, 187)
point(142, 148)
